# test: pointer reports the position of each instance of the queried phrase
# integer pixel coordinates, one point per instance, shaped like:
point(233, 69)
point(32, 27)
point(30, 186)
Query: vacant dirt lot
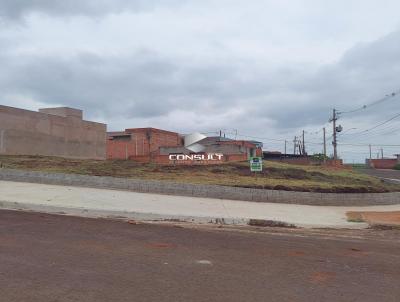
point(57, 258)
point(376, 218)
point(275, 175)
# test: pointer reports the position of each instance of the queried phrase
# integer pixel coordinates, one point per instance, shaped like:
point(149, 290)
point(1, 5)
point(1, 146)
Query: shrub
point(397, 167)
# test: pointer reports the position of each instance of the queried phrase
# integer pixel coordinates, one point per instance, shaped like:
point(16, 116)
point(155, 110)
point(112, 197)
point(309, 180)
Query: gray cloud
point(146, 85)
point(364, 74)
point(16, 9)
point(142, 85)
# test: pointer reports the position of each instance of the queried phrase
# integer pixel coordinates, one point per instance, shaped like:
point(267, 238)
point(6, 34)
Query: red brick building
point(165, 147)
point(140, 144)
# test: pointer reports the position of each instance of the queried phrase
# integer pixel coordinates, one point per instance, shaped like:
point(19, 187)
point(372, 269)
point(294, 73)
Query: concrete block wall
point(210, 191)
point(63, 111)
point(60, 133)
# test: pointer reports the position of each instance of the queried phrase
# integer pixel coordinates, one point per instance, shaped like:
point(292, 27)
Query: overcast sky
point(267, 69)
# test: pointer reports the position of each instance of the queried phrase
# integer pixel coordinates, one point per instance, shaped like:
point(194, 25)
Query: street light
point(347, 130)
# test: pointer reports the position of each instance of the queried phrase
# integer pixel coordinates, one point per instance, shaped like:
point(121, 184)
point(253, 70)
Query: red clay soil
point(47, 258)
point(376, 218)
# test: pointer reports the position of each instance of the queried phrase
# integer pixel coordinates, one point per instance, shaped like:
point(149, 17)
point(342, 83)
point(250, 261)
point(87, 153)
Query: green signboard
point(255, 164)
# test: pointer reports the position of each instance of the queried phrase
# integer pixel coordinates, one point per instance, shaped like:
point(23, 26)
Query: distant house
point(161, 146)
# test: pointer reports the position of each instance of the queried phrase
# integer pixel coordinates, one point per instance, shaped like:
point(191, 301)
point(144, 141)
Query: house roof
point(150, 129)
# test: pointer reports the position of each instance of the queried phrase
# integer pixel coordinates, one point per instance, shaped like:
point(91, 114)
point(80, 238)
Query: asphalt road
point(58, 258)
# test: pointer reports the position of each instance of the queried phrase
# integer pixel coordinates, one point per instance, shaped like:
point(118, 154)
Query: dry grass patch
point(276, 175)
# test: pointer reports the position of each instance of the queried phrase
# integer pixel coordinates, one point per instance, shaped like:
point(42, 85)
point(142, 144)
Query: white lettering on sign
point(196, 157)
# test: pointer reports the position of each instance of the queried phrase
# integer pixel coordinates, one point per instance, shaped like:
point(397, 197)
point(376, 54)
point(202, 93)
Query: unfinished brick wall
point(143, 143)
point(236, 157)
point(334, 163)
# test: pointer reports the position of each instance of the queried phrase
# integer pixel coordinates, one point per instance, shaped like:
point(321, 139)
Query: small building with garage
point(151, 145)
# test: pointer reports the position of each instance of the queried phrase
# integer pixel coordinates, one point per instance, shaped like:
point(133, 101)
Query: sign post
point(256, 164)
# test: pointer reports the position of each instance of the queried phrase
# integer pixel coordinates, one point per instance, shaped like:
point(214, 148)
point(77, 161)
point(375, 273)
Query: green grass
point(275, 175)
point(359, 166)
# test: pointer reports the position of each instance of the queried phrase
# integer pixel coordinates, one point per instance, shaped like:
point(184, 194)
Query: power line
point(365, 145)
point(354, 152)
point(373, 135)
point(378, 125)
point(313, 143)
point(258, 137)
point(384, 99)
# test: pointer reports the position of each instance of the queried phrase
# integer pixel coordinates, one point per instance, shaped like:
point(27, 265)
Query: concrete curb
point(205, 191)
point(124, 215)
point(150, 217)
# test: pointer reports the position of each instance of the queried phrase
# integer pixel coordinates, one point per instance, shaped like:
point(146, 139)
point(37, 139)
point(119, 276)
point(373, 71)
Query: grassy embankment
point(275, 175)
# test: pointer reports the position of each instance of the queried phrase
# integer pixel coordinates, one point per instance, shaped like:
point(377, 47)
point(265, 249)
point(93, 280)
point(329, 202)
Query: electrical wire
point(265, 138)
point(384, 99)
point(378, 125)
point(366, 145)
point(369, 136)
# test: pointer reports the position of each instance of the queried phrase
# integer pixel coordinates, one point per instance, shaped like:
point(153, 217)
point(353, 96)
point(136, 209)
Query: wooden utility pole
point(324, 144)
point(304, 146)
point(294, 145)
point(382, 152)
point(334, 143)
point(370, 152)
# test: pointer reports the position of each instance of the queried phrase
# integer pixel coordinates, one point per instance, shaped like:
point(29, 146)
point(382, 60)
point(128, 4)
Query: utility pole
point(324, 144)
point(299, 145)
point(334, 143)
point(285, 146)
point(304, 146)
point(294, 145)
point(382, 152)
point(370, 152)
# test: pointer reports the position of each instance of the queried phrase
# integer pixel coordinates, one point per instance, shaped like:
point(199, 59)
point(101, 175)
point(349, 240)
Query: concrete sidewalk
point(140, 206)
